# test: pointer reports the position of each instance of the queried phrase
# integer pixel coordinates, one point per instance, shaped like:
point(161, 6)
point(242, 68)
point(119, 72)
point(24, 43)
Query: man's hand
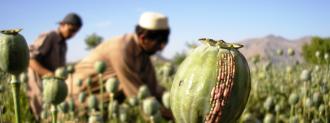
point(37, 67)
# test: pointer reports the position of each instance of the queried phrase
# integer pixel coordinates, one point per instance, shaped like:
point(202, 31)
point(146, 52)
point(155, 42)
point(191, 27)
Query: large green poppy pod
point(55, 90)
point(14, 52)
point(211, 85)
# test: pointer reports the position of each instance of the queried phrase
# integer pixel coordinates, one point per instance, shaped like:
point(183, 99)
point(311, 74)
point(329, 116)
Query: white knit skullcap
point(153, 21)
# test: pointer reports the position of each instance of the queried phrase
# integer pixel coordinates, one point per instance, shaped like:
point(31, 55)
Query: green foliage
point(6, 100)
point(288, 94)
point(93, 40)
point(318, 44)
point(278, 89)
point(178, 58)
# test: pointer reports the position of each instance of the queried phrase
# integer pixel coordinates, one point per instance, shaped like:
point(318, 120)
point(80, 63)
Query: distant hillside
point(266, 47)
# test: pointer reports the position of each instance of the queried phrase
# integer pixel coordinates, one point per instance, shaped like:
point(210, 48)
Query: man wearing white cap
point(128, 58)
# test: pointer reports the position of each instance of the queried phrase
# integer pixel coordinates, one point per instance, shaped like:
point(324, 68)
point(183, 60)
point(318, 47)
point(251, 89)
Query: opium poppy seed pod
point(55, 90)
point(150, 106)
point(326, 57)
point(212, 84)
point(14, 52)
point(133, 101)
point(70, 69)
point(317, 54)
point(143, 92)
point(306, 75)
point(100, 66)
point(64, 107)
point(89, 81)
point(111, 86)
point(92, 102)
point(293, 98)
point(291, 52)
point(82, 97)
point(79, 82)
point(279, 52)
point(61, 73)
point(269, 118)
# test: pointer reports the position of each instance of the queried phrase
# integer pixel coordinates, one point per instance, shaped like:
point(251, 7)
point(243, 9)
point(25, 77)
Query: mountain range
point(267, 47)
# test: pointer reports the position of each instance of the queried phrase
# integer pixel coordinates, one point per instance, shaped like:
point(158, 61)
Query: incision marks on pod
point(221, 91)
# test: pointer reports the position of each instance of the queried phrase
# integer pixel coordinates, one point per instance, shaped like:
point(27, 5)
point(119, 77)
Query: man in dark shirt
point(48, 53)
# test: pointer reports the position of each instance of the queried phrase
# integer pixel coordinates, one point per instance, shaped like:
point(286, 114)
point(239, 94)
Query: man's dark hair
point(156, 35)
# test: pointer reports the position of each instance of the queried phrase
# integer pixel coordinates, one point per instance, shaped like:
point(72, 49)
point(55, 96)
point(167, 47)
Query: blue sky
point(231, 20)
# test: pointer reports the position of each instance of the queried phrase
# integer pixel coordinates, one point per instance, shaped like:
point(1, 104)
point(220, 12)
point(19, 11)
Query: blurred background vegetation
point(318, 47)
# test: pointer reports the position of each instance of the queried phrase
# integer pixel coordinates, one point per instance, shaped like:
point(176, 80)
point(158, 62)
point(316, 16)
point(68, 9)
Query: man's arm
point(37, 67)
point(38, 49)
point(123, 64)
